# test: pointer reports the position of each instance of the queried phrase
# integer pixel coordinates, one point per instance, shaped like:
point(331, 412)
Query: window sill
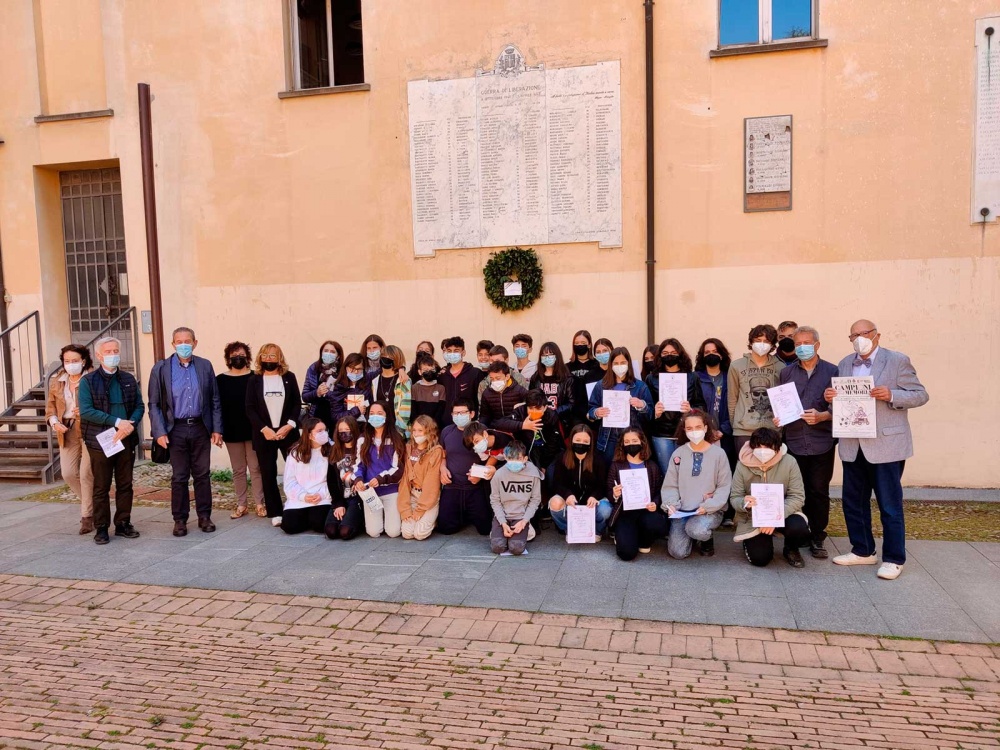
point(756, 49)
point(76, 116)
point(325, 90)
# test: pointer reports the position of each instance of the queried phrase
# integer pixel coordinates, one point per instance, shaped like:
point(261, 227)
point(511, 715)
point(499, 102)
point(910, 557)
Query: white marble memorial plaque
point(768, 150)
point(986, 160)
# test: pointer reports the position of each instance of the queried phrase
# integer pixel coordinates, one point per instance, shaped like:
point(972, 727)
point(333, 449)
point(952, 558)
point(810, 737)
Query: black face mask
point(429, 376)
point(671, 360)
point(581, 449)
point(238, 362)
point(269, 366)
point(345, 437)
point(581, 349)
point(386, 363)
point(713, 360)
point(648, 363)
point(633, 450)
point(787, 346)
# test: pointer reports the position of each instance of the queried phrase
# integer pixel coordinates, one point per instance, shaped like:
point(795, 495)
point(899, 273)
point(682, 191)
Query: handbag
point(158, 454)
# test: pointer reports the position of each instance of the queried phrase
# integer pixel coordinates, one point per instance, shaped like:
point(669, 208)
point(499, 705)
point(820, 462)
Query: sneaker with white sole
point(851, 559)
point(645, 550)
point(276, 521)
point(531, 532)
point(889, 571)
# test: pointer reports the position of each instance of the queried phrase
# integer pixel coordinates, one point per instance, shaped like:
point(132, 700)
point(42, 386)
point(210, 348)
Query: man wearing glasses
point(877, 463)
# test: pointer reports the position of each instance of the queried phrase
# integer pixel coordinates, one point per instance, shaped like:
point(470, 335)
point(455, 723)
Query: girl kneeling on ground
point(420, 488)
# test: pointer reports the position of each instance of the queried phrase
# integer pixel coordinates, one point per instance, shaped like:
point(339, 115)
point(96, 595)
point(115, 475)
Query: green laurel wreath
point(513, 264)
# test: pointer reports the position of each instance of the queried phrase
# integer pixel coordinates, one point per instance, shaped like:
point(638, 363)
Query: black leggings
point(760, 549)
point(319, 518)
point(638, 528)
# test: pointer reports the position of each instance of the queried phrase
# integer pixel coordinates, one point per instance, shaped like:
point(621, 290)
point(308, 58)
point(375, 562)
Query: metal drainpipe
point(650, 217)
point(149, 205)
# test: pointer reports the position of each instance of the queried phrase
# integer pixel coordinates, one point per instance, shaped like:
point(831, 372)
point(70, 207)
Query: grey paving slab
point(948, 590)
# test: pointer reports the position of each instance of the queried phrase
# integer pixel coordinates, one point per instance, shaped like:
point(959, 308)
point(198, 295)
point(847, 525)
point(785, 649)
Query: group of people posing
point(371, 446)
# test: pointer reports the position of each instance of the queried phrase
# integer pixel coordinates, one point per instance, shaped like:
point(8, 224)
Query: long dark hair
point(651, 367)
point(569, 458)
point(390, 437)
point(699, 363)
point(644, 454)
point(559, 369)
point(590, 340)
point(610, 379)
point(371, 337)
point(339, 451)
point(684, 364)
point(302, 450)
point(84, 352)
point(340, 356)
point(351, 360)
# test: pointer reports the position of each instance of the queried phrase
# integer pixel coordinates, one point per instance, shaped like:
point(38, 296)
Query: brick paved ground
point(110, 665)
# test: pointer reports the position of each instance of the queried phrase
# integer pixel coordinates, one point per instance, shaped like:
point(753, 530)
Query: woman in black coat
point(273, 408)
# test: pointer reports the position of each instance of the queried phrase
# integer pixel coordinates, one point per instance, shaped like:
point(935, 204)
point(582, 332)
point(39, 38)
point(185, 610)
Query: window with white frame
point(326, 43)
point(745, 22)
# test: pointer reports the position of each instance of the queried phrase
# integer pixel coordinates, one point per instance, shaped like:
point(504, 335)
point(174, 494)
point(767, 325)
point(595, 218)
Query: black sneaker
point(794, 558)
point(126, 530)
point(101, 537)
point(818, 550)
point(707, 549)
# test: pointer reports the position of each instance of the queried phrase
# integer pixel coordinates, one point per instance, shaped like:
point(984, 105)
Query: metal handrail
point(6, 351)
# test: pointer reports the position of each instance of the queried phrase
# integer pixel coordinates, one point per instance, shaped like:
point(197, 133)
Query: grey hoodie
point(749, 405)
point(515, 495)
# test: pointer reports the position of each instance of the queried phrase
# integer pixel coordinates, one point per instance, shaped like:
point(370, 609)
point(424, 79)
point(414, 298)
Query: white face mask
point(620, 370)
point(482, 446)
point(322, 437)
point(419, 439)
point(760, 348)
point(763, 454)
point(497, 385)
point(863, 346)
point(74, 368)
point(696, 436)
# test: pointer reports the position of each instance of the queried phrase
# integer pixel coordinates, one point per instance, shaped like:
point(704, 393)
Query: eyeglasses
point(866, 334)
point(272, 357)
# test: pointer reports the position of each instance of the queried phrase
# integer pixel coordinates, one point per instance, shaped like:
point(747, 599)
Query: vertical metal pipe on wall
point(149, 205)
point(650, 176)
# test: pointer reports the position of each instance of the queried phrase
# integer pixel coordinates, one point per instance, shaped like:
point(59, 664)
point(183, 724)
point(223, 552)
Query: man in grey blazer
point(186, 417)
point(877, 463)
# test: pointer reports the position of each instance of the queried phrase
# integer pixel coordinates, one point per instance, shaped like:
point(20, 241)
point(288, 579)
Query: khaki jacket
point(55, 404)
point(424, 476)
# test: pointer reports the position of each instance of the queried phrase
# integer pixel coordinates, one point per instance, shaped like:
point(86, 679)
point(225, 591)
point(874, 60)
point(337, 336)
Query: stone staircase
point(29, 452)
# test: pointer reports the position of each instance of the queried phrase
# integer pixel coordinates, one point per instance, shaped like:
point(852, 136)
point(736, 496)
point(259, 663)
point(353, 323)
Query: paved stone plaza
point(949, 590)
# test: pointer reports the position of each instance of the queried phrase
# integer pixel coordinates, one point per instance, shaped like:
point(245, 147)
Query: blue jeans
point(664, 448)
point(860, 478)
point(603, 514)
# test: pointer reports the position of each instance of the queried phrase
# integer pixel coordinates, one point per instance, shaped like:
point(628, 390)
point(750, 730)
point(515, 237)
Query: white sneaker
point(597, 539)
point(851, 559)
point(889, 571)
point(645, 550)
point(276, 521)
point(531, 532)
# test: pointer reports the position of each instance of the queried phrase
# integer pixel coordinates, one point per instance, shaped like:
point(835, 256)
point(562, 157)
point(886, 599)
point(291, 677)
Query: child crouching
point(515, 494)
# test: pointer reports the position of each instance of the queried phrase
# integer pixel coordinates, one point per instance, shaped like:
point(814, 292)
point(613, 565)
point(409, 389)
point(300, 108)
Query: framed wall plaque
point(767, 163)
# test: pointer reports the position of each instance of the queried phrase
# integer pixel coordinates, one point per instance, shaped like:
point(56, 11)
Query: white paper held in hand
point(480, 470)
point(618, 402)
point(785, 403)
point(371, 499)
point(769, 510)
point(635, 489)
point(108, 444)
point(854, 408)
point(581, 524)
point(673, 390)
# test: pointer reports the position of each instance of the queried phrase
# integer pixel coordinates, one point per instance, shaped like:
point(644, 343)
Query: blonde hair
point(430, 429)
point(398, 358)
point(282, 364)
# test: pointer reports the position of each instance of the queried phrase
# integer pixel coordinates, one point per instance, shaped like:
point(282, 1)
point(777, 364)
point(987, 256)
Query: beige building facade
point(288, 218)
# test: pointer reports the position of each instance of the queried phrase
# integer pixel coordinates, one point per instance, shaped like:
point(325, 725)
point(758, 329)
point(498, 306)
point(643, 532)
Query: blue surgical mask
point(805, 352)
point(520, 352)
point(452, 358)
point(461, 420)
point(549, 360)
point(376, 420)
point(328, 357)
point(515, 466)
point(374, 354)
point(482, 446)
point(111, 361)
point(603, 357)
point(354, 377)
point(184, 351)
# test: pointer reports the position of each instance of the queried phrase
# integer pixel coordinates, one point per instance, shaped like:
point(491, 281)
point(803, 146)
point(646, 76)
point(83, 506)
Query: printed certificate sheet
point(581, 524)
point(108, 444)
point(635, 489)
point(854, 408)
point(785, 403)
point(673, 390)
point(618, 402)
point(769, 512)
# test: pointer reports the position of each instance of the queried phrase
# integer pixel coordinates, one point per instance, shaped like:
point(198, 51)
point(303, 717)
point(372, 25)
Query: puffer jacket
point(781, 469)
